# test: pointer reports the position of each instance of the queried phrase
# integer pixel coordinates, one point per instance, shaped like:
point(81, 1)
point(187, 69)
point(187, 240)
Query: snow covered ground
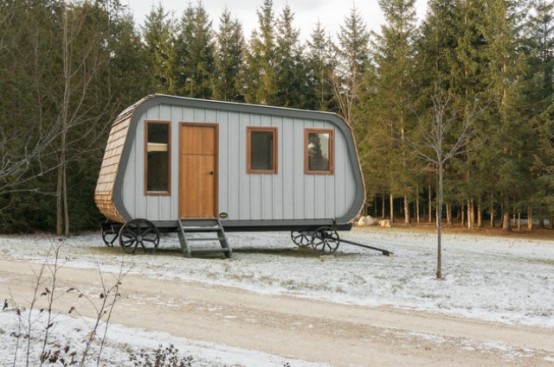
point(500, 279)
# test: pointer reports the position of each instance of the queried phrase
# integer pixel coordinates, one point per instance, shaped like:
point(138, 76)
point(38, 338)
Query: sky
point(331, 13)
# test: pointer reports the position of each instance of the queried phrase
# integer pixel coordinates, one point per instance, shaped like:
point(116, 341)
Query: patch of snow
point(501, 279)
point(120, 343)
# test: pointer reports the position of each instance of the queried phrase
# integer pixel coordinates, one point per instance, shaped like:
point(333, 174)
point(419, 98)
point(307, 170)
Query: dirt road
point(341, 335)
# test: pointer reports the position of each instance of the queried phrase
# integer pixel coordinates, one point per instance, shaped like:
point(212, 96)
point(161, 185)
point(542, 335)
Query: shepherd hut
point(190, 165)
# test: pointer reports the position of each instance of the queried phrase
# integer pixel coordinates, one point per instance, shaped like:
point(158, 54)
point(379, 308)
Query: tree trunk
point(448, 215)
point(406, 210)
point(391, 204)
point(463, 215)
point(506, 225)
point(417, 204)
point(470, 214)
point(479, 214)
point(519, 221)
point(383, 207)
point(59, 201)
point(492, 211)
point(439, 225)
point(62, 221)
point(529, 218)
point(430, 205)
point(62, 212)
point(65, 205)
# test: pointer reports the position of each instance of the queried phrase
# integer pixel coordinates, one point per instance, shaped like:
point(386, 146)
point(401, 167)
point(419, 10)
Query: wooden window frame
point(169, 173)
point(331, 170)
point(249, 130)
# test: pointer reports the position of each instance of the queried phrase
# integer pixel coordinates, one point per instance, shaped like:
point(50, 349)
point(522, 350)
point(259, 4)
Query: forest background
point(485, 68)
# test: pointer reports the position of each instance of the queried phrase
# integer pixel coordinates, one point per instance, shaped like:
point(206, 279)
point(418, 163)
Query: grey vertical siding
point(288, 195)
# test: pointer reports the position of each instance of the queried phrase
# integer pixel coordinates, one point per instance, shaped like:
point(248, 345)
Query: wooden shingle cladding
point(108, 171)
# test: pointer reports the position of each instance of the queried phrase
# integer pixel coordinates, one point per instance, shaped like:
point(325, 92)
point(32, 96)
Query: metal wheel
point(301, 239)
point(325, 240)
point(139, 233)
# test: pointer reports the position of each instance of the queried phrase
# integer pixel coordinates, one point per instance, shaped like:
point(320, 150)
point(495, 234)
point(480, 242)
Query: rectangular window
point(319, 151)
point(158, 153)
point(261, 149)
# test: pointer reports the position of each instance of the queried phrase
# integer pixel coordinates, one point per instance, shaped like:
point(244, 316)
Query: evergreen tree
point(259, 77)
point(435, 46)
point(320, 68)
point(373, 140)
point(539, 100)
point(159, 41)
point(434, 49)
point(508, 142)
point(540, 44)
point(394, 59)
point(228, 60)
point(467, 86)
point(542, 165)
point(194, 54)
point(291, 83)
point(352, 54)
point(129, 75)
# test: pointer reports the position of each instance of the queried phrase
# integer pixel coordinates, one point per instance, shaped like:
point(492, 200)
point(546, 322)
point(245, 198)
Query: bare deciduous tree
point(82, 59)
point(443, 138)
point(15, 162)
point(21, 149)
point(37, 321)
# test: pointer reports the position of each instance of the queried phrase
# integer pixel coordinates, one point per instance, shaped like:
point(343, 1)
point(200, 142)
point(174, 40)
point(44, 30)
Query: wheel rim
point(301, 238)
point(139, 233)
point(325, 240)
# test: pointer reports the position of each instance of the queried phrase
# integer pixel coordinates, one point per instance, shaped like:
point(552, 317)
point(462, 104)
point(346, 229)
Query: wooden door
point(198, 171)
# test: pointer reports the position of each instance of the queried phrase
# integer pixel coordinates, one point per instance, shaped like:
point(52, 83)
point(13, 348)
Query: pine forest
point(459, 104)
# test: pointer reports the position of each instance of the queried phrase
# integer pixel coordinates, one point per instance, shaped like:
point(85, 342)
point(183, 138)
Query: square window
point(319, 151)
point(261, 150)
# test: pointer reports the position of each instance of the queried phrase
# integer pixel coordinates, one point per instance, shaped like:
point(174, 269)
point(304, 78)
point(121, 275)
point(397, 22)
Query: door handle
point(211, 173)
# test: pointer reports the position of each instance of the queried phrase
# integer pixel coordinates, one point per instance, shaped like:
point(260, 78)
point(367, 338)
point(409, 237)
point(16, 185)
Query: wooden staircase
point(204, 230)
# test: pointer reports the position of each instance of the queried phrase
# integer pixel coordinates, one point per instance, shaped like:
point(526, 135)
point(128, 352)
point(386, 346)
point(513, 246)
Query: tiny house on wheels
point(200, 166)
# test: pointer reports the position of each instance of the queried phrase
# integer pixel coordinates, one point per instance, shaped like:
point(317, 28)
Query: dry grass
point(545, 234)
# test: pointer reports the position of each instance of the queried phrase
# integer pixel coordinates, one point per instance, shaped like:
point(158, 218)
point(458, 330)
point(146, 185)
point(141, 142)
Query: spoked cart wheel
point(301, 239)
point(139, 233)
point(325, 240)
point(110, 232)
